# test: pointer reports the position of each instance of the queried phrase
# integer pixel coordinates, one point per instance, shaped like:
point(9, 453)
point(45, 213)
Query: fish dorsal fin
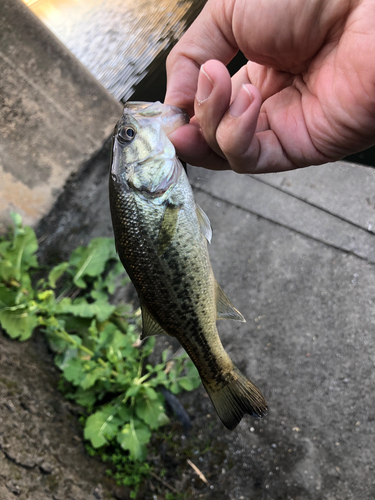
point(149, 325)
point(224, 307)
point(167, 228)
point(204, 223)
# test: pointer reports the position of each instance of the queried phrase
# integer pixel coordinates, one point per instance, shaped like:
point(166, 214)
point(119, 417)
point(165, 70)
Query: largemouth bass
point(161, 237)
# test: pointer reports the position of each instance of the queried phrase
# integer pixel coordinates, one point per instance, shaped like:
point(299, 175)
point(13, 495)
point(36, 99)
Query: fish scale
point(161, 238)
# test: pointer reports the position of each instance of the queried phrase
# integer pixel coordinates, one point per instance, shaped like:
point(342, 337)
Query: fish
point(161, 237)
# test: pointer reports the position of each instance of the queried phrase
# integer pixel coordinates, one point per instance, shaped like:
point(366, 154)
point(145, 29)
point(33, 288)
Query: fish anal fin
point(167, 228)
point(204, 223)
point(149, 325)
point(235, 398)
point(224, 307)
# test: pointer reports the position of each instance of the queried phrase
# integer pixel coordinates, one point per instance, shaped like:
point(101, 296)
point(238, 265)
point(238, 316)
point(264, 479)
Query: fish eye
point(126, 134)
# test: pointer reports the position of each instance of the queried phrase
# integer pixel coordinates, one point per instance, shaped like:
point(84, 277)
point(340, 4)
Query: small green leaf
point(99, 295)
point(56, 273)
point(124, 380)
point(132, 391)
point(150, 410)
point(133, 437)
point(116, 277)
point(91, 260)
point(74, 371)
point(81, 308)
point(16, 218)
point(18, 322)
point(91, 377)
point(102, 425)
point(174, 387)
point(160, 379)
point(103, 310)
point(62, 360)
point(10, 296)
point(186, 383)
point(123, 309)
point(6, 270)
point(75, 323)
point(18, 256)
point(84, 397)
point(124, 412)
point(57, 344)
point(162, 420)
point(151, 394)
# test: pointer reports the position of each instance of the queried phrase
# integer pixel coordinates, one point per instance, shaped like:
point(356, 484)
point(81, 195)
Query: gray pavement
point(334, 204)
point(292, 252)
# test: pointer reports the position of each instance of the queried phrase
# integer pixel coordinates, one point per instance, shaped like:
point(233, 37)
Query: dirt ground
point(41, 451)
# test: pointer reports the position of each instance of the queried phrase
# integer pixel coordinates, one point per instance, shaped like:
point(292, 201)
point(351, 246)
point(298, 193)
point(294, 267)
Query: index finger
point(209, 37)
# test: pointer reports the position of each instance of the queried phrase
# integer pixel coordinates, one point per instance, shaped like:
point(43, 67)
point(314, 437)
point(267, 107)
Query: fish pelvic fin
point(149, 325)
point(224, 307)
point(232, 400)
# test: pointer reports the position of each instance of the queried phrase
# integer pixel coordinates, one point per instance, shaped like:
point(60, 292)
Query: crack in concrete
point(314, 205)
point(291, 228)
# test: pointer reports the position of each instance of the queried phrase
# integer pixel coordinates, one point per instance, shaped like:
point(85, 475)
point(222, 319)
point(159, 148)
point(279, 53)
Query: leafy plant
point(103, 363)
point(17, 257)
point(123, 470)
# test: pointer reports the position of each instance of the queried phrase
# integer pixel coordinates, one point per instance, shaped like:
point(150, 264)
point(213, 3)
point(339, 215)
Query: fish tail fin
point(235, 397)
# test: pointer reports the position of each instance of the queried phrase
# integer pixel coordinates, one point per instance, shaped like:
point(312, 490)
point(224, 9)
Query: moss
point(52, 482)
point(10, 384)
point(13, 387)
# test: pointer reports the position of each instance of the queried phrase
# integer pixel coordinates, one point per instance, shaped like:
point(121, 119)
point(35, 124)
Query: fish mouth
point(170, 117)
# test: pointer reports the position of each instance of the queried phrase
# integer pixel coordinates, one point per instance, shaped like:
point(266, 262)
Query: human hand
point(307, 96)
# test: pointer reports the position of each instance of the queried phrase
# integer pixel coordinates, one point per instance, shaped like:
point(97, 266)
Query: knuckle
point(223, 138)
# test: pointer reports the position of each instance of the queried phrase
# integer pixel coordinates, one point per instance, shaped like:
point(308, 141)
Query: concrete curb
point(54, 115)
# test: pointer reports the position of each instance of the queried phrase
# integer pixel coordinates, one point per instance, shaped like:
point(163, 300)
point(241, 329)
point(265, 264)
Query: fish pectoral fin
point(224, 307)
point(167, 228)
point(149, 325)
point(204, 223)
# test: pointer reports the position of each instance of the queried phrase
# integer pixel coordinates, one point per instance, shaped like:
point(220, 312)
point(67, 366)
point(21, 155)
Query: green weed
point(96, 344)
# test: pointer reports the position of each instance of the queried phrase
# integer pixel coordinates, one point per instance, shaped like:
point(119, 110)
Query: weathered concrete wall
point(54, 115)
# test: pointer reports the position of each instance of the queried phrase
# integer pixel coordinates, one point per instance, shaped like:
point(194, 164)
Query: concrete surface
point(343, 189)
point(334, 204)
point(303, 275)
point(53, 115)
point(308, 343)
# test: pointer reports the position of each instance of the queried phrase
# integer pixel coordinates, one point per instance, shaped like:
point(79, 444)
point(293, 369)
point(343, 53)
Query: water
point(118, 40)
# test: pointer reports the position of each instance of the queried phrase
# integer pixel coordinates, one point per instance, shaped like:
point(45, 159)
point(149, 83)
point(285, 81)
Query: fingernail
point(241, 102)
point(205, 86)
